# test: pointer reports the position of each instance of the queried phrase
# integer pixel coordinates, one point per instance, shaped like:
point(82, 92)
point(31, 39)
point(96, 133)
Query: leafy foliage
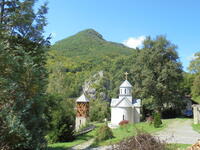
point(157, 73)
point(99, 110)
point(75, 59)
point(22, 75)
point(155, 70)
point(103, 133)
point(195, 72)
point(61, 120)
point(157, 120)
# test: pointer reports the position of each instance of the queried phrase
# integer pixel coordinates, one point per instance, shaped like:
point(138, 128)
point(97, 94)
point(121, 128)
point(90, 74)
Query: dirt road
point(179, 131)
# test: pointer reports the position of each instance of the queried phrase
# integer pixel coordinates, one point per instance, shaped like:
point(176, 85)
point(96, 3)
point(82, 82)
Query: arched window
point(123, 117)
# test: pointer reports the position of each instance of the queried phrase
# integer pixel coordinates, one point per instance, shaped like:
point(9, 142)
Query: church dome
point(125, 84)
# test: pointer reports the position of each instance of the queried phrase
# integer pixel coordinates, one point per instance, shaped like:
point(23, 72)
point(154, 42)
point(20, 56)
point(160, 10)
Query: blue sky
point(128, 21)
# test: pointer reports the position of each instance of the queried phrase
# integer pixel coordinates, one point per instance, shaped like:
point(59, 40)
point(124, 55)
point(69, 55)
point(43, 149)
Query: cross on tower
point(126, 75)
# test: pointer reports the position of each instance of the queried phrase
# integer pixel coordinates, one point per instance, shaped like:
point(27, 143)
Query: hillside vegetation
point(77, 58)
point(87, 62)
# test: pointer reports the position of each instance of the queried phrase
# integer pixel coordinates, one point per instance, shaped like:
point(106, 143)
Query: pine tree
point(22, 75)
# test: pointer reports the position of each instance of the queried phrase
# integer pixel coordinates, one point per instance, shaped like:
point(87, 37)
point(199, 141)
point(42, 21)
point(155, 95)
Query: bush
point(103, 133)
point(157, 120)
point(143, 141)
point(123, 122)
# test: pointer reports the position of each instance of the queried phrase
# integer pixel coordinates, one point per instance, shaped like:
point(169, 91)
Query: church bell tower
point(82, 111)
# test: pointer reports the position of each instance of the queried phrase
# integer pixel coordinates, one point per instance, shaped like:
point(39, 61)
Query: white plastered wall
point(117, 114)
point(80, 121)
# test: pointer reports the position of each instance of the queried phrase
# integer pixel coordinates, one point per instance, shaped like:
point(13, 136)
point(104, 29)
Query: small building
point(125, 107)
point(82, 111)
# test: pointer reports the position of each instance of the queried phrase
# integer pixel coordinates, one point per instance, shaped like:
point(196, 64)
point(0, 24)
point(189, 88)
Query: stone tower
point(82, 111)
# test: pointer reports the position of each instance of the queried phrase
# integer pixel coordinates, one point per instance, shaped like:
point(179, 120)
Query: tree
point(157, 72)
point(61, 117)
point(195, 64)
point(22, 75)
point(195, 71)
point(99, 110)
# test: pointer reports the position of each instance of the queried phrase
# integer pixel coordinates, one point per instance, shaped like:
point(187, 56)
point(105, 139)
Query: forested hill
point(89, 43)
point(74, 60)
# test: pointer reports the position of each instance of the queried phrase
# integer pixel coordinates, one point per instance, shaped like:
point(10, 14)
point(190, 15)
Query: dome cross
point(126, 75)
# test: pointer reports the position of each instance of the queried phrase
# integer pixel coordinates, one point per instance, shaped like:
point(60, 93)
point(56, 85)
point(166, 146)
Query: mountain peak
point(90, 44)
point(91, 33)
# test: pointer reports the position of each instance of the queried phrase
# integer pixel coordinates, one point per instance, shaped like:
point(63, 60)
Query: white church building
point(125, 107)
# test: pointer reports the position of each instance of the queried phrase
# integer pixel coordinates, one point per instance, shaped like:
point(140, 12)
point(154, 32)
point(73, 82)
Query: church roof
point(82, 98)
point(121, 102)
point(125, 84)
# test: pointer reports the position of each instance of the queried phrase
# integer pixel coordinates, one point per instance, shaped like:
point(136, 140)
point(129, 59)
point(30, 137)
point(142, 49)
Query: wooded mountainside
point(83, 55)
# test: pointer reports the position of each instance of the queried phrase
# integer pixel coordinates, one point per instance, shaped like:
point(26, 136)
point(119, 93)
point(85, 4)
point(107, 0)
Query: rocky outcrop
point(97, 86)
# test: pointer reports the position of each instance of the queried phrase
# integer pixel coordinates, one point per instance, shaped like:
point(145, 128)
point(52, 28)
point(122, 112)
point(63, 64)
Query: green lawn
point(131, 130)
point(196, 127)
point(177, 146)
point(119, 134)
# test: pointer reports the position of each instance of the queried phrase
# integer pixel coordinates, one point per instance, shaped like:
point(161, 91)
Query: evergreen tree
point(157, 120)
point(22, 75)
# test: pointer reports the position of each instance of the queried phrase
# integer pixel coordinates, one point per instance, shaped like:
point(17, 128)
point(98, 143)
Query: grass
point(177, 146)
point(196, 127)
point(131, 130)
point(119, 134)
point(78, 140)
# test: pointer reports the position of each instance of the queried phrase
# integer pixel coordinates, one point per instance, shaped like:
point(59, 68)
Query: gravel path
point(86, 146)
point(179, 131)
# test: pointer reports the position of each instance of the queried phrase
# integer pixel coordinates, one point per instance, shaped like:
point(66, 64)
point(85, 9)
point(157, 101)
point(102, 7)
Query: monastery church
point(125, 107)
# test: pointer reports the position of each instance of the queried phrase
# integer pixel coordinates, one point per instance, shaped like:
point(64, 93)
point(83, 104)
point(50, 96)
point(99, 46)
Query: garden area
point(120, 133)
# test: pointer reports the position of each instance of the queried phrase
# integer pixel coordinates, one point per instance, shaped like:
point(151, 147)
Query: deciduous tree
point(22, 75)
point(157, 72)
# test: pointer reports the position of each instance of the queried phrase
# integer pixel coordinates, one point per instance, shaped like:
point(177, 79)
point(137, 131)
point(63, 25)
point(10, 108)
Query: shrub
point(157, 120)
point(103, 133)
point(123, 122)
point(143, 141)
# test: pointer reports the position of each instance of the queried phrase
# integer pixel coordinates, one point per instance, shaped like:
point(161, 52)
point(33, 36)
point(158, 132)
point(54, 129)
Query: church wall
point(137, 114)
point(118, 114)
point(80, 121)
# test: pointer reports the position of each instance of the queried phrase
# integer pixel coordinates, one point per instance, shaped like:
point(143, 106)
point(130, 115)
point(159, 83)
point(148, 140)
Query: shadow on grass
point(67, 145)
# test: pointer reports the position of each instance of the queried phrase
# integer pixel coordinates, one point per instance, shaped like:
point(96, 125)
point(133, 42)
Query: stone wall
point(196, 114)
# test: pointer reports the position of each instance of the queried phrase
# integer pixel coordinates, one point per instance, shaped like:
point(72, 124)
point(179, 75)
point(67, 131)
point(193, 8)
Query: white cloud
point(134, 42)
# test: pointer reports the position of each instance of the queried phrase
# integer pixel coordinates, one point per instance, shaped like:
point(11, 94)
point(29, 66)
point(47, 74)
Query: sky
point(129, 21)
